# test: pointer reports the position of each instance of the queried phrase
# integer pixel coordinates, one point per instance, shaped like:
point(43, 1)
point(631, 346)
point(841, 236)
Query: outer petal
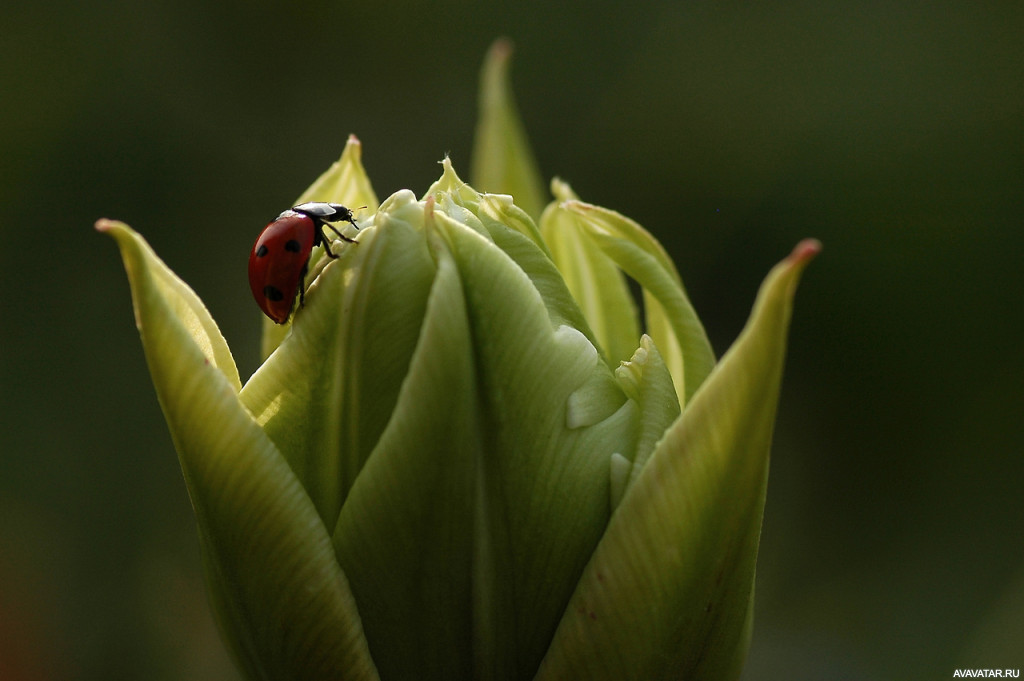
point(667, 594)
point(296, 617)
point(502, 160)
point(345, 182)
point(156, 287)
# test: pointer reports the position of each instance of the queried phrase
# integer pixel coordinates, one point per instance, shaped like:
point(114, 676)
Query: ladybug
point(280, 256)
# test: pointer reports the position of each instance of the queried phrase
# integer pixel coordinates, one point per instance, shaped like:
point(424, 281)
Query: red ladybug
point(280, 256)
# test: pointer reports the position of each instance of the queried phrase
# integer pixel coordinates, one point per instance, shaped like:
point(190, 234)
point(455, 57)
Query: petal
point(160, 294)
point(552, 421)
point(345, 182)
point(294, 616)
point(325, 396)
point(406, 534)
point(671, 320)
point(502, 160)
point(595, 280)
point(493, 210)
point(668, 592)
point(511, 230)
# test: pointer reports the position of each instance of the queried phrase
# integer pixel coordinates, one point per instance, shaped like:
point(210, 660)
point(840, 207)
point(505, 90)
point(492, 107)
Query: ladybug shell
point(278, 262)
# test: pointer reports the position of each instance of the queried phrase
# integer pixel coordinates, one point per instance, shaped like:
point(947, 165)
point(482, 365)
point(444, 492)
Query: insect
point(280, 256)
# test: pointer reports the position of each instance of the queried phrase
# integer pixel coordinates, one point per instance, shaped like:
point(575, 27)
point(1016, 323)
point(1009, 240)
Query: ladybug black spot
point(273, 293)
point(261, 251)
point(292, 245)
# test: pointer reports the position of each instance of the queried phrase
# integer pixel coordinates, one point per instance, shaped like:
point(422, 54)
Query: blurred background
point(892, 131)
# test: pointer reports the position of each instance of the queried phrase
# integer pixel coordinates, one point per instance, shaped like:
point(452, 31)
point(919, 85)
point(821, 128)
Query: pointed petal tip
point(106, 224)
point(805, 251)
point(121, 233)
point(502, 48)
point(353, 150)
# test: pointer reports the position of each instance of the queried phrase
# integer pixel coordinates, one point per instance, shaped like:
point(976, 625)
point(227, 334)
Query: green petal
point(502, 160)
point(671, 320)
point(406, 534)
point(499, 211)
point(281, 600)
point(345, 182)
point(552, 421)
point(511, 230)
point(493, 210)
point(668, 592)
point(595, 280)
point(325, 396)
point(156, 287)
point(452, 187)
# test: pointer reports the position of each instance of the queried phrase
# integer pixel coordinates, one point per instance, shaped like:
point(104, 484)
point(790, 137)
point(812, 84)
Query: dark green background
point(891, 131)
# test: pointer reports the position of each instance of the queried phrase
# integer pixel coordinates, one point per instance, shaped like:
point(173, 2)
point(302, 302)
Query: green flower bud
point(462, 459)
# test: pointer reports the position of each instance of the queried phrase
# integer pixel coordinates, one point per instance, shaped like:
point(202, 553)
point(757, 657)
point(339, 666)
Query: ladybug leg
point(342, 236)
point(302, 283)
point(327, 249)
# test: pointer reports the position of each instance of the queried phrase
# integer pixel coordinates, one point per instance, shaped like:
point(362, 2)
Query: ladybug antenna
point(353, 219)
